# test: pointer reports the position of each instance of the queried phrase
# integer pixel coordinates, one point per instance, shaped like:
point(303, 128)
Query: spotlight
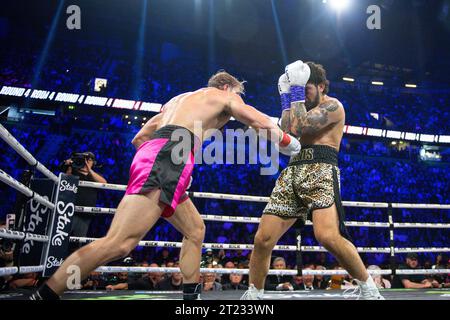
point(339, 4)
point(348, 79)
point(377, 83)
point(410, 85)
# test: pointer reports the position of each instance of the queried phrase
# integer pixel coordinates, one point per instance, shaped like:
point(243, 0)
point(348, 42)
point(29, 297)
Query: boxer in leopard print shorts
point(309, 187)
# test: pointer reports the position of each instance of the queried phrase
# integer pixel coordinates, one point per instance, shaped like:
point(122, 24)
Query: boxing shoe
point(253, 294)
point(44, 293)
point(364, 291)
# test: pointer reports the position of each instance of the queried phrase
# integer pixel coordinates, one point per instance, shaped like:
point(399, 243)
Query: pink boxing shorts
point(157, 166)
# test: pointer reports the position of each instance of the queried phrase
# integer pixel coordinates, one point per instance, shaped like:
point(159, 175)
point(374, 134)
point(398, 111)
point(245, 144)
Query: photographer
point(81, 165)
point(6, 257)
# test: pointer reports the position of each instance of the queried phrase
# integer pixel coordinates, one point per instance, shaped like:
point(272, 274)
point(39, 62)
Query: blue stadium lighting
point(44, 53)
point(140, 51)
point(279, 33)
point(197, 8)
point(211, 40)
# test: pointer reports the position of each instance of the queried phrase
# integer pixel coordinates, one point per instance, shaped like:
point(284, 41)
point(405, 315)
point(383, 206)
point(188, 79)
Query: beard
point(311, 104)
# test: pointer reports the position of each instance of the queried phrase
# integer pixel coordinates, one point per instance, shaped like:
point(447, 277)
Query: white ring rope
point(10, 181)
point(255, 220)
point(277, 248)
point(433, 249)
point(421, 225)
point(13, 143)
point(18, 235)
point(107, 186)
point(236, 197)
point(420, 206)
point(14, 270)
point(112, 269)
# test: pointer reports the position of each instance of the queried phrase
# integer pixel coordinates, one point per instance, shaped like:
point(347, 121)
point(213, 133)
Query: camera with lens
point(78, 161)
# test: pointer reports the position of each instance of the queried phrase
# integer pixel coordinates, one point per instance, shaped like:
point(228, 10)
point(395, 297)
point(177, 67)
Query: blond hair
point(223, 78)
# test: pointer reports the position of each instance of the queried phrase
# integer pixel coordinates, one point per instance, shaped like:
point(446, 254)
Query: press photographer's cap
point(90, 155)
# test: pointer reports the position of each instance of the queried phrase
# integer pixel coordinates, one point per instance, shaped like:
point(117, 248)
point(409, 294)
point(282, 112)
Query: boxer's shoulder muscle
point(321, 118)
point(331, 105)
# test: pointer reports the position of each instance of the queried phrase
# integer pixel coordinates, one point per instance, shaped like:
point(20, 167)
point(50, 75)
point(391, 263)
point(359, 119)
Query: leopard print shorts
point(302, 188)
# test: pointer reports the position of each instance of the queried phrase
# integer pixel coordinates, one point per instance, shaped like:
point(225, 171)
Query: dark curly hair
point(318, 76)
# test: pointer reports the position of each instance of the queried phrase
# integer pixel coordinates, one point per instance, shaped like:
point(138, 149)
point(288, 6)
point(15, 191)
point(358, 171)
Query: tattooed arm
point(291, 117)
point(317, 119)
point(285, 124)
point(298, 111)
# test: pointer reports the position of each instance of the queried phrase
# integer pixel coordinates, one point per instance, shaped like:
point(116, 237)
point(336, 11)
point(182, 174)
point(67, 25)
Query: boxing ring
point(393, 294)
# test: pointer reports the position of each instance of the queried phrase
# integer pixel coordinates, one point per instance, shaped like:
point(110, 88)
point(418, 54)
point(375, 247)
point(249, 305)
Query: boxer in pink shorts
point(153, 158)
point(159, 177)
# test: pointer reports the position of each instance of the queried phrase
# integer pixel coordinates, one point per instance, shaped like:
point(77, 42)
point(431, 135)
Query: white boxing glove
point(289, 145)
point(298, 74)
point(284, 88)
point(283, 84)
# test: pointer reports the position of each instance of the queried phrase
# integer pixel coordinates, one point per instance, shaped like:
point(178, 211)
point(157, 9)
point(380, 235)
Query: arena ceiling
point(414, 34)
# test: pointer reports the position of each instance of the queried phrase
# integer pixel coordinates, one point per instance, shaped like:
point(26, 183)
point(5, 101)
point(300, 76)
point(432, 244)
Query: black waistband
point(315, 154)
point(167, 131)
